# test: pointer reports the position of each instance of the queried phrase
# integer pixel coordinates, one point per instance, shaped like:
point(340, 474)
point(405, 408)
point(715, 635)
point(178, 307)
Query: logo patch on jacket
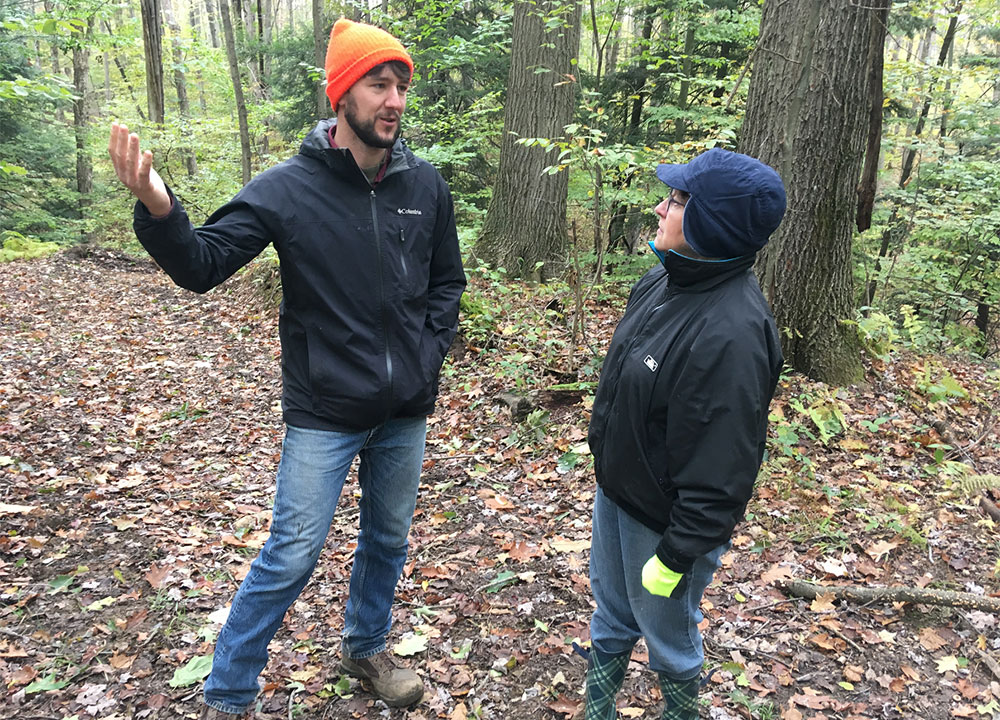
point(409, 211)
point(651, 363)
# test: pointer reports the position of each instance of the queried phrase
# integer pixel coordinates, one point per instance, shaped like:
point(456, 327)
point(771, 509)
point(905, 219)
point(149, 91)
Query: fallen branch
point(801, 588)
point(989, 507)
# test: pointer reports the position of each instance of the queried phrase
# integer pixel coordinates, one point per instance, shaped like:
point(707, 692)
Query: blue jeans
point(626, 611)
point(314, 465)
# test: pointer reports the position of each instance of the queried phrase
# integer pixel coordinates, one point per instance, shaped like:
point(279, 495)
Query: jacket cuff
point(141, 213)
point(673, 560)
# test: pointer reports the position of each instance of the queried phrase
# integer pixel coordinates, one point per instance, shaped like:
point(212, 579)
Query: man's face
point(373, 107)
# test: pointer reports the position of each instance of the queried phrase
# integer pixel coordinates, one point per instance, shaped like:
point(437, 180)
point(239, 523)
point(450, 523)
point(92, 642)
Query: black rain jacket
point(680, 417)
point(371, 277)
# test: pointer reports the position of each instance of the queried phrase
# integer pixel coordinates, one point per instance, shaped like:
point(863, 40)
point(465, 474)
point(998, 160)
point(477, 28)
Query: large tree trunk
point(526, 220)
point(875, 62)
point(806, 117)
point(319, 47)
point(180, 79)
point(81, 117)
point(234, 74)
point(152, 40)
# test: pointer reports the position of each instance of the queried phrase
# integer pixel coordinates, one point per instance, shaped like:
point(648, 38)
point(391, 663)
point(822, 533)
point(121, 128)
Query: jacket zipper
point(381, 295)
point(402, 252)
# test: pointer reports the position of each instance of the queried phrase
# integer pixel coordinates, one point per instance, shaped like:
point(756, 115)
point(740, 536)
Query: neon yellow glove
point(658, 579)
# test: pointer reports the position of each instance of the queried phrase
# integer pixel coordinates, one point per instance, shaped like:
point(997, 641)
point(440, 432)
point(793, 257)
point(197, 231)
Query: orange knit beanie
point(354, 49)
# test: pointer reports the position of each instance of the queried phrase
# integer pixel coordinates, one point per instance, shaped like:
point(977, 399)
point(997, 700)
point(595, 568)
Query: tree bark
point(54, 55)
point(526, 220)
point(152, 40)
point(234, 74)
point(805, 117)
point(180, 80)
point(210, 17)
point(319, 49)
point(876, 63)
point(81, 118)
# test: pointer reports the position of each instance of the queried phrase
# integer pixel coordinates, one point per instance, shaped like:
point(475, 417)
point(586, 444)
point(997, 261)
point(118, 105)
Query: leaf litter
point(140, 430)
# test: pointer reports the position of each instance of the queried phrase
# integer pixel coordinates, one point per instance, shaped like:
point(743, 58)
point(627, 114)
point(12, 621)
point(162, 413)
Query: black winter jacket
point(680, 416)
point(371, 277)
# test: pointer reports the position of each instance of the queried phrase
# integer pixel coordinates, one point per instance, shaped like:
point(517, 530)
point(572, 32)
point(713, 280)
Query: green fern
point(973, 484)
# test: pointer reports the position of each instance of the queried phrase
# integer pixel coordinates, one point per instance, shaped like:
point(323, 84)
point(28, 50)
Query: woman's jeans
point(314, 465)
point(626, 611)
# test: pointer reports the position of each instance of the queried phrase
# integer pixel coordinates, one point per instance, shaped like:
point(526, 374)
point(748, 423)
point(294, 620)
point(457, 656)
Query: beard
point(366, 130)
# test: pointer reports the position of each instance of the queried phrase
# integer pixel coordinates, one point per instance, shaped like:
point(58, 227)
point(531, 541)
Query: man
point(371, 278)
point(679, 425)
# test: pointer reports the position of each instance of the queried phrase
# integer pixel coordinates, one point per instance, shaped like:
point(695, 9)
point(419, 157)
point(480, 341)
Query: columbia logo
point(409, 211)
point(651, 363)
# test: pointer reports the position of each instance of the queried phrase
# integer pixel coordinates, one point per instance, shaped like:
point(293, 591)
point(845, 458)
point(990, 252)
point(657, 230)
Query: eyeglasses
point(671, 200)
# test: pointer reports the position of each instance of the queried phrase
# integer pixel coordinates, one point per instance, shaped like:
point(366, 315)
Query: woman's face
point(669, 231)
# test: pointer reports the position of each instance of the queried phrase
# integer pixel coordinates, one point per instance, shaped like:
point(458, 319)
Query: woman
point(679, 424)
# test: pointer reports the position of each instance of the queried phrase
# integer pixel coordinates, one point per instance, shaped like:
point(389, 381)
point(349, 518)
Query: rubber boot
point(605, 675)
point(680, 698)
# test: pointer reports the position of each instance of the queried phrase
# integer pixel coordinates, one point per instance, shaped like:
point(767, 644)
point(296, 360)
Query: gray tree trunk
point(81, 117)
point(526, 221)
point(180, 79)
point(806, 117)
point(319, 45)
point(152, 40)
point(210, 17)
point(234, 74)
point(875, 62)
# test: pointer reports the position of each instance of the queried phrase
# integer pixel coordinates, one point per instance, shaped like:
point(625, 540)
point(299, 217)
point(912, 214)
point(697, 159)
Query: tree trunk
point(895, 229)
point(152, 40)
point(81, 118)
point(680, 127)
point(911, 152)
point(210, 17)
point(194, 18)
point(234, 74)
point(180, 80)
point(54, 54)
point(806, 115)
point(319, 47)
point(526, 220)
point(875, 62)
point(121, 71)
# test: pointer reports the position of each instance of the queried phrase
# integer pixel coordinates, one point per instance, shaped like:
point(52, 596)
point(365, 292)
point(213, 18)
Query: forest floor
point(139, 435)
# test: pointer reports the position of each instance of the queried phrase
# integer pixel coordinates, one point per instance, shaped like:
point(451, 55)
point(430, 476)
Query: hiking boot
point(210, 713)
point(397, 686)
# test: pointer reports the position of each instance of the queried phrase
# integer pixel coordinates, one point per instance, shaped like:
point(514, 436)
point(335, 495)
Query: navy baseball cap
point(736, 202)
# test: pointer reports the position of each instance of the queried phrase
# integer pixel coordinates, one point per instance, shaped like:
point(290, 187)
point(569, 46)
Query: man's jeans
point(314, 464)
point(621, 545)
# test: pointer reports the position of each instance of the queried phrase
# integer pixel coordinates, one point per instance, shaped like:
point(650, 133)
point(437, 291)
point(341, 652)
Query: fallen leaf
point(948, 663)
point(823, 603)
point(156, 575)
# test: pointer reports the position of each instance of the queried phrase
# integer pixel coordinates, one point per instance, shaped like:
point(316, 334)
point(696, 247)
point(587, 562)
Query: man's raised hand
point(136, 171)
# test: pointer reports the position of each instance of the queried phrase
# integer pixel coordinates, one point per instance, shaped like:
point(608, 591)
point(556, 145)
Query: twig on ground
point(948, 598)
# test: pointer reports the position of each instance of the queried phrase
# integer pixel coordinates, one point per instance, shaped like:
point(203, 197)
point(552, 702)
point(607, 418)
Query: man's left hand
point(658, 579)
